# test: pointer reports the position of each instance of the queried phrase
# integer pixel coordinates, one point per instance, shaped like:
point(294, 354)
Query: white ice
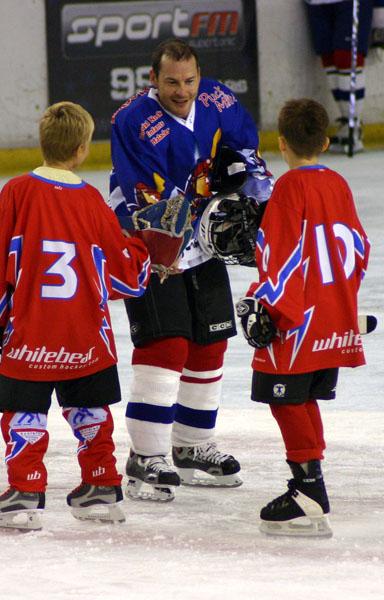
point(206, 544)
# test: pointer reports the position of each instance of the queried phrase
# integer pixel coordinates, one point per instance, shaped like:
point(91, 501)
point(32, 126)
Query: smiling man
point(164, 143)
point(177, 83)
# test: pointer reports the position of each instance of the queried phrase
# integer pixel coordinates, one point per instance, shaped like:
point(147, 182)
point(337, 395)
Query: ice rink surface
point(206, 544)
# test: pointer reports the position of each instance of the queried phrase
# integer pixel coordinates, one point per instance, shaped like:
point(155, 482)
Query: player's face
point(177, 85)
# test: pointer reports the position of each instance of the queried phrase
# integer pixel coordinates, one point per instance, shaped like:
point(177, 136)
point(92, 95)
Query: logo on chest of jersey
point(218, 98)
point(42, 356)
point(349, 342)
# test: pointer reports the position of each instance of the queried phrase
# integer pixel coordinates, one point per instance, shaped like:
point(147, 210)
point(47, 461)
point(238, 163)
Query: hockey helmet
point(228, 229)
point(228, 171)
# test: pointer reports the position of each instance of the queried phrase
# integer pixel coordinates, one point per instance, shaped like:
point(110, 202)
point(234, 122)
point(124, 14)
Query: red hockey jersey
point(312, 253)
point(62, 256)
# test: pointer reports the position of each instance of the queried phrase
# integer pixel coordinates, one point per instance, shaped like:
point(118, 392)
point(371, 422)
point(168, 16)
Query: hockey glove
point(165, 228)
point(256, 323)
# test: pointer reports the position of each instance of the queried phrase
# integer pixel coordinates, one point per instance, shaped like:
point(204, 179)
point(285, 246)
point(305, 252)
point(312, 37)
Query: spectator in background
point(330, 23)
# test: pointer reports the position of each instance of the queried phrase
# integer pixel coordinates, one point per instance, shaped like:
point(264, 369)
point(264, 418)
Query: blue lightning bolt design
point(104, 336)
point(99, 260)
point(15, 248)
point(299, 333)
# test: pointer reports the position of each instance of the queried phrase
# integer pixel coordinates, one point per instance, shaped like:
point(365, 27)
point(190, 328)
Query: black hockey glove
point(1, 338)
point(256, 323)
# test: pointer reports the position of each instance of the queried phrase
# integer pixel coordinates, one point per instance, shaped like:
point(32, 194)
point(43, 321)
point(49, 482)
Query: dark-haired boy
point(312, 253)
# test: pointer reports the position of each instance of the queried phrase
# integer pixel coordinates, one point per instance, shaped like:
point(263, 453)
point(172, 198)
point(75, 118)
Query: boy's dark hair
point(303, 123)
point(176, 50)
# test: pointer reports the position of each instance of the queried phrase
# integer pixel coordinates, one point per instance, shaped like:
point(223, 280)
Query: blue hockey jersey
point(155, 153)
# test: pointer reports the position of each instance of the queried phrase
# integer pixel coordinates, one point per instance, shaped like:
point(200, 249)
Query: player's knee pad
point(166, 353)
point(87, 423)
point(24, 432)
point(154, 386)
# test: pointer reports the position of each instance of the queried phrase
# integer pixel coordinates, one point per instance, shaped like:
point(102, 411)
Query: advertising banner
point(99, 53)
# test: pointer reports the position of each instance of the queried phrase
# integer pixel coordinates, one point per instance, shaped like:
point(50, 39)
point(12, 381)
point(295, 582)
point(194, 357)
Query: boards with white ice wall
point(287, 67)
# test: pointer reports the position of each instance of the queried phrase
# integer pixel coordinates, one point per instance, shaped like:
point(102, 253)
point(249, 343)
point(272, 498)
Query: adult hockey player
point(62, 255)
point(164, 142)
point(302, 315)
point(330, 23)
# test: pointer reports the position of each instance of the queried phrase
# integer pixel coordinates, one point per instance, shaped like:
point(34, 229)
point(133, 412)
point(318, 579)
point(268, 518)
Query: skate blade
point(300, 527)
point(104, 513)
point(197, 478)
point(139, 490)
point(23, 520)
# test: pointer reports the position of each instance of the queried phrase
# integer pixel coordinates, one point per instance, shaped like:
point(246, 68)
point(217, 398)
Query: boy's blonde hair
point(63, 128)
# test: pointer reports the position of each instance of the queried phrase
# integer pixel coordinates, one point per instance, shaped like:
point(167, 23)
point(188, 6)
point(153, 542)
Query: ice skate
point(150, 478)
point(339, 143)
point(302, 510)
point(97, 503)
point(21, 510)
point(206, 466)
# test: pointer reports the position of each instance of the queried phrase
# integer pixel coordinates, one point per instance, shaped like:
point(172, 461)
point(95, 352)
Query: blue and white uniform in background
point(330, 23)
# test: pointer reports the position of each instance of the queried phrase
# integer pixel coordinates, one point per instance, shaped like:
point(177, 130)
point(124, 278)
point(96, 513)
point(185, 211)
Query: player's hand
point(165, 272)
point(256, 323)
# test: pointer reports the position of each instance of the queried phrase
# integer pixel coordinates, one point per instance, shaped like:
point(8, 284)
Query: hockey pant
point(175, 394)
point(26, 438)
point(302, 430)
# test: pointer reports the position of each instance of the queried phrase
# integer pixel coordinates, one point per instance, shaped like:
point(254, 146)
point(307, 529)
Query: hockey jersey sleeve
point(126, 258)
point(240, 133)
point(279, 260)
point(136, 164)
point(6, 220)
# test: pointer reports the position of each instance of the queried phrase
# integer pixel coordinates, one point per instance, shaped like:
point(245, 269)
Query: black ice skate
point(150, 478)
point(205, 465)
point(97, 503)
point(21, 510)
point(303, 509)
point(339, 143)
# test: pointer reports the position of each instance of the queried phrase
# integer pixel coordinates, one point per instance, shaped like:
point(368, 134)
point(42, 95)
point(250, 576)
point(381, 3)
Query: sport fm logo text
point(111, 24)
point(348, 343)
point(41, 358)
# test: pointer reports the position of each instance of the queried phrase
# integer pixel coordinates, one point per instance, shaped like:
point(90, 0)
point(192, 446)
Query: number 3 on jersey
point(62, 268)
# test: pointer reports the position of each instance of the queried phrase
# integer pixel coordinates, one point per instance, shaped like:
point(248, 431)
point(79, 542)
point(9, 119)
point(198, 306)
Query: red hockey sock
point(205, 357)
point(26, 439)
point(93, 427)
point(317, 422)
point(167, 353)
point(301, 431)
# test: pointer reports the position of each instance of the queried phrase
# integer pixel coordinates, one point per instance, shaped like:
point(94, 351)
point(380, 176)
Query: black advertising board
point(99, 53)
